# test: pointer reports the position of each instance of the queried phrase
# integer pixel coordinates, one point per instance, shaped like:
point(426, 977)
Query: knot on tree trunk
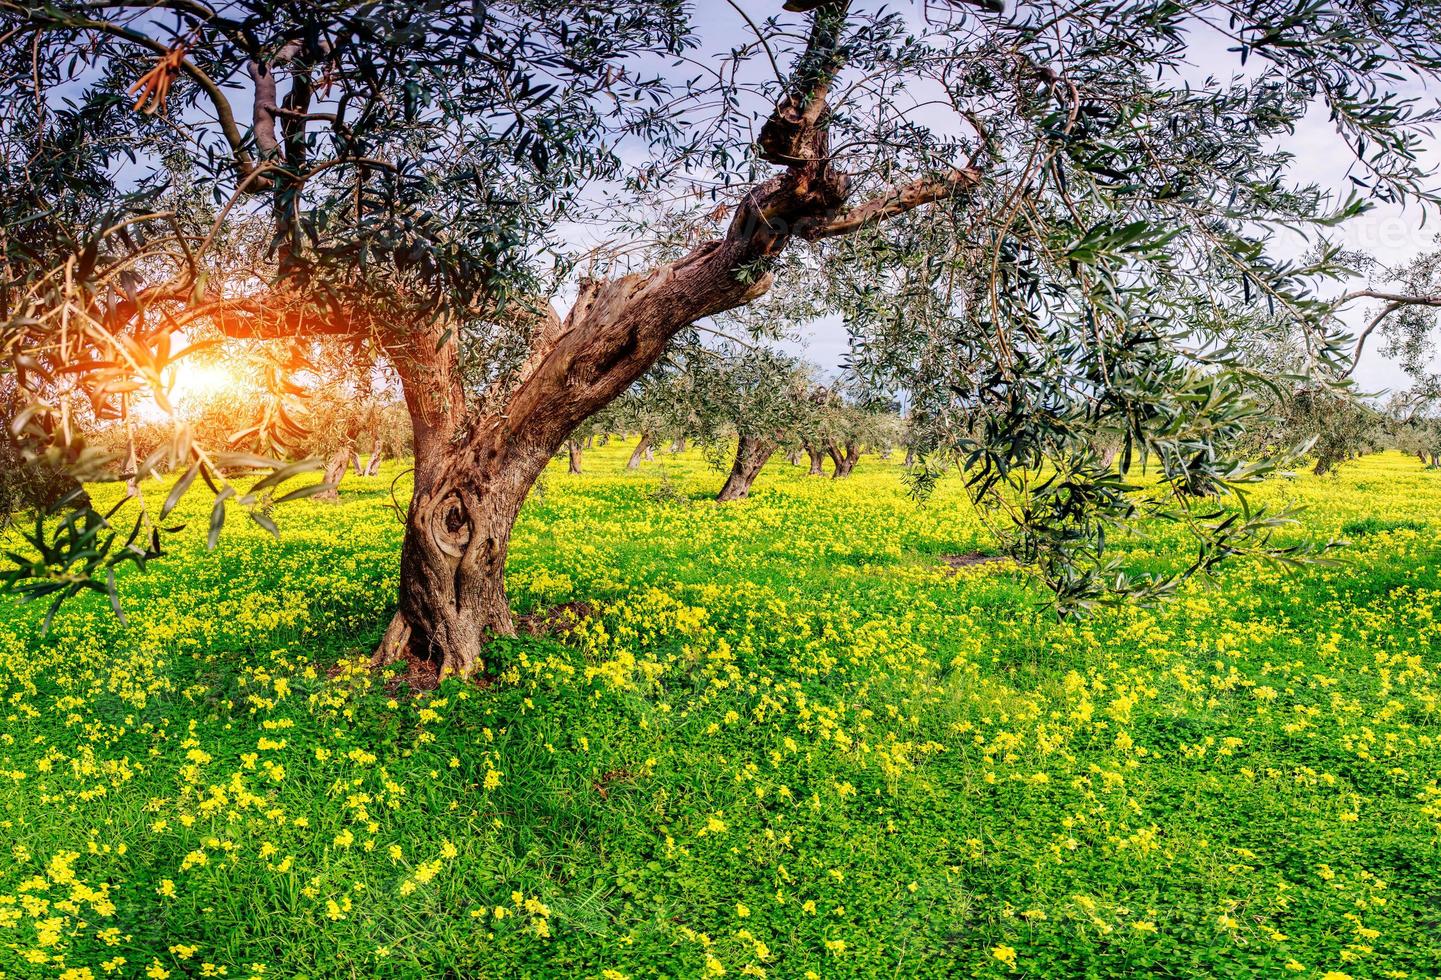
point(451, 532)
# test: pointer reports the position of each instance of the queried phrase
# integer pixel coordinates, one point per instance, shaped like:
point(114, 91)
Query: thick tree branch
point(250, 319)
point(892, 203)
point(794, 133)
point(267, 106)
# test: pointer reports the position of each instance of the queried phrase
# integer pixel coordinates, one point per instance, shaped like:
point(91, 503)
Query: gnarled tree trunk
point(335, 467)
point(751, 454)
point(844, 459)
point(641, 448)
point(377, 452)
point(678, 446)
point(817, 461)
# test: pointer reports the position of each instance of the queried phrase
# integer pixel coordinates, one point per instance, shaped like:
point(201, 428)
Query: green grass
point(790, 741)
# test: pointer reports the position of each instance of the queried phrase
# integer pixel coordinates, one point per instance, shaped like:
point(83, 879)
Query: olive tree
point(751, 397)
point(1413, 425)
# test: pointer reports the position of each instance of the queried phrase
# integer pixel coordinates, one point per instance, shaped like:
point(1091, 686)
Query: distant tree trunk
point(793, 456)
point(910, 457)
point(817, 461)
point(650, 454)
point(589, 442)
point(355, 463)
point(573, 446)
point(678, 444)
point(641, 448)
point(751, 454)
point(377, 452)
point(1108, 457)
point(845, 461)
point(1322, 467)
point(1435, 460)
point(335, 467)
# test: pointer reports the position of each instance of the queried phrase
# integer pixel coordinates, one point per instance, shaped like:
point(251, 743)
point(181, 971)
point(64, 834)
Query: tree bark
point(335, 468)
point(844, 460)
point(751, 454)
point(678, 446)
point(640, 450)
point(817, 461)
point(377, 452)
point(573, 449)
point(452, 565)
point(430, 379)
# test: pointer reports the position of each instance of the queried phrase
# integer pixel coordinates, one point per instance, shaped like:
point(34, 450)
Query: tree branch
point(1401, 299)
point(892, 203)
point(793, 134)
point(267, 108)
point(1394, 302)
point(250, 319)
point(224, 114)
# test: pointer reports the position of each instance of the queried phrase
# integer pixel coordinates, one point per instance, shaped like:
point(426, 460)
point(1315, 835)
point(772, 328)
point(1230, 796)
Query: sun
point(198, 381)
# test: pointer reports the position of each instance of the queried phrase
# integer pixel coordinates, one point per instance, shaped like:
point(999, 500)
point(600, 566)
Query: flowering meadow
point(782, 737)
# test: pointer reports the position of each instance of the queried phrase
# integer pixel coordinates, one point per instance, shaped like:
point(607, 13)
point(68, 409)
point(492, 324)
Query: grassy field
point(788, 741)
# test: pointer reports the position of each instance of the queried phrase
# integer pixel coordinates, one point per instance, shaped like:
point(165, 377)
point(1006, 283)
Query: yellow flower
point(1006, 954)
